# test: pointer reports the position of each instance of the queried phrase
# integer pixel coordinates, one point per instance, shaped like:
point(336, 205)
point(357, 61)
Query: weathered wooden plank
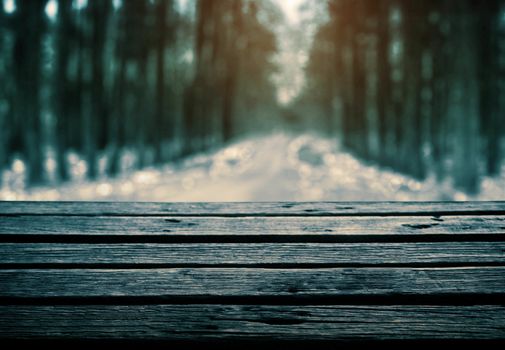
point(247, 282)
point(410, 225)
point(253, 209)
point(296, 254)
point(229, 322)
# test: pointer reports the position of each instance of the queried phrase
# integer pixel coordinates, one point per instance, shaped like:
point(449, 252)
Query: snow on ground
point(279, 167)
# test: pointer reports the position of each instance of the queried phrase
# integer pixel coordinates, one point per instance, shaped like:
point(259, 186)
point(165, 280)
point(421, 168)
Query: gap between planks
point(257, 238)
point(442, 299)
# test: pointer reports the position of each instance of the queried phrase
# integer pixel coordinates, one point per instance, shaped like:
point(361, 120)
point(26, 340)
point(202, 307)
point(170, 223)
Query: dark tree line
point(233, 50)
point(22, 115)
point(104, 77)
point(414, 85)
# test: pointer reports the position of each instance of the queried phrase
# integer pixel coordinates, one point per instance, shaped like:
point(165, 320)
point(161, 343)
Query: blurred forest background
point(102, 86)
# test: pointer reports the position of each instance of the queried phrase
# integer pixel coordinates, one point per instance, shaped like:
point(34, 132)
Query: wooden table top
point(260, 272)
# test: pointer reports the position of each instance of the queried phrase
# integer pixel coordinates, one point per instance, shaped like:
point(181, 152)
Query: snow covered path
point(279, 167)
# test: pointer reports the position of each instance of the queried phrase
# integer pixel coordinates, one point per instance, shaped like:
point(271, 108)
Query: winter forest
point(252, 99)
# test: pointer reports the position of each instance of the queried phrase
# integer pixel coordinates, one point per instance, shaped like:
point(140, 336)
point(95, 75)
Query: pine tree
point(29, 28)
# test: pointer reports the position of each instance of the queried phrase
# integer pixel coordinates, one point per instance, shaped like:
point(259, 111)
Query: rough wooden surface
point(251, 225)
point(252, 209)
point(200, 322)
point(254, 254)
point(251, 282)
point(252, 271)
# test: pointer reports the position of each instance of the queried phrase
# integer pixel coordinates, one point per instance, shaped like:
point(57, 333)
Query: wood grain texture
point(253, 209)
point(293, 254)
point(250, 282)
point(236, 322)
point(252, 271)
point(166, 226)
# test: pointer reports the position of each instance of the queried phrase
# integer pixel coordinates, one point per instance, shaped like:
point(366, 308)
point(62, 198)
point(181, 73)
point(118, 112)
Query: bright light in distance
point(291, 9)
point(80, 4)
point(9, 6)
point(52, 9)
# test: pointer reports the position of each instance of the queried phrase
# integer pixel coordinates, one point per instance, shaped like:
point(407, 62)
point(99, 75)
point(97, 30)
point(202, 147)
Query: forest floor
point(278, 167)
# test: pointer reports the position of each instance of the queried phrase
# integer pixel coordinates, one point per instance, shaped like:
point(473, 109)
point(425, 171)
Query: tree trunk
point(230, 84)
point(161, 112)
point(27, 55)
point(384, 89)
point(463, 97)
point(99, 12)
point(62, 84)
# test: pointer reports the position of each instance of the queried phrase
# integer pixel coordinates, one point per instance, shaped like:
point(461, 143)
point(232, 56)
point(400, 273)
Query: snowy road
point(280, 167)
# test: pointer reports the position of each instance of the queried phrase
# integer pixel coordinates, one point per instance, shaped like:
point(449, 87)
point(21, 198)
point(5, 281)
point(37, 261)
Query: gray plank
point(409, 225)
point(464, 253)
point(210, 322)
point(252, 209)
point(251, 282)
